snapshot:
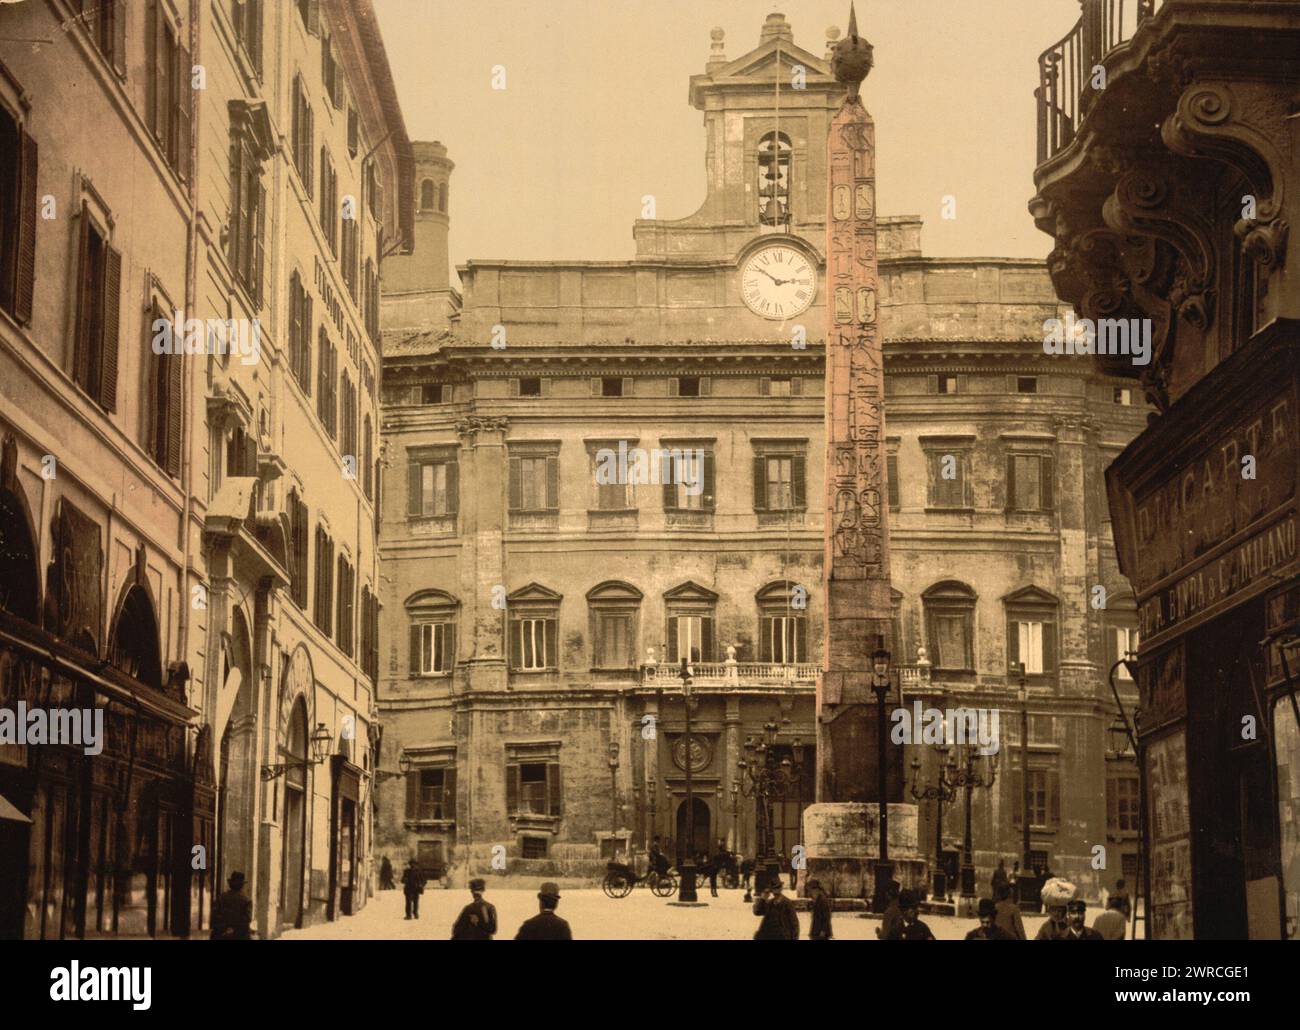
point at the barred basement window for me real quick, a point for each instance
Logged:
(532, 847)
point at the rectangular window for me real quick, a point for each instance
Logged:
(1126, 642)
(354, 131)
(437, 651)
(105, 24)
(533, 644)
(165, 407)
(304, 133)
(532, 789)
(613, 641)
(327, 383)
(691, 386)
(18, 173)
(1122, 395)
(298, 531)
(324, 608)
(534, 483)
(99, 280)
(532, 847)
(780, 386)
(947, 484)
(1122, 804)
(300, 332)
(690, 480)
(434, 488)
(891, 475)
(349, 258)
(1026, 384)
(784, 639)
(431, 393)
(779, 481)
(246, 246)
(169, 91)
(345, 635)
(953, 640)
(690, 636)
(246, 15)
(1044, 798)
(945, 383)
(530, 386)
(1030, 485)
(611, 386)
(1032, 641)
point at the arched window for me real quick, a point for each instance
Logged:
(783, 623)
(950, 625)
(133, 647)
(614, 610)
(442, 197)
(774, 153)
(19, 573)
(426, 195)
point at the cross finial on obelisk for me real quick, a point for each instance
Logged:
(851, 59)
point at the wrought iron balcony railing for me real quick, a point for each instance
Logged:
(1066, 69)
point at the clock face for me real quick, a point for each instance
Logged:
(778, 282)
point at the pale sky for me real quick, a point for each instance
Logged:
(596, 113)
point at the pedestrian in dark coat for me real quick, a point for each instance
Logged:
(386, 875)
(1076, 930)
(891, 919)
(988, 930)
(477, 920)
(912, 929)
(780, 920)
(546, 925)
(746, 871)
(412, 887)
(232, 913)
(999, 877)
(820, 930)
(1006, 914)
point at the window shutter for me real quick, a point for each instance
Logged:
(765, 638)
(797, 472)
(453, 487)
(891, 476)
(182, 115)
(552, 483)
(259, 248)
(673, 386)
(629, 386)
(672, 640)
(706, 639)
(1047, 479)
(253, 24)
(1054, 796)
(25, 284)
(801, 639)
(175, 405)
(514, 387)
(1013, 643)
(760, 483)
(516, 485)
(1011, 482)
(796, 386)
(546, 387)
(765, 387)
(450, 645)
(110, 322)
(595, 386)
(306, 338)
(704, 386)
(449, 793)
(413, 794)
(961, 383)
(415, 503)
(117, 12)
(1049, 648)
(516, 644)
(710, 476)
(512, 788)
(552, 643)
(553, 788)
(932, 384)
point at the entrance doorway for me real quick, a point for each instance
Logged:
(703, 823)
(295, 819)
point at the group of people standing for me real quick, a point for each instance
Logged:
(478, 920)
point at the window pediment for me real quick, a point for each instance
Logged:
(430, 601)
(951, 591)
(534, 593)
(1030, 597)
(691, 592)
(614, 592)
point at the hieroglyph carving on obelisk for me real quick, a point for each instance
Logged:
(856, 570)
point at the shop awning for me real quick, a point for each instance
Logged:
(8, 811)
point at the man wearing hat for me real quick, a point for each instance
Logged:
(477, 920)
(232, 913)
(821, 913)
(546, 925)
(912, 929)
(988, 930)
(412, 888)
(780, 920)
(1075, 911)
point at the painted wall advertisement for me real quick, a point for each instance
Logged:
(1171, 846)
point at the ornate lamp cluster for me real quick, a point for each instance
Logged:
(766, 777)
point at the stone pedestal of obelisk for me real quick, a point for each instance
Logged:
(841, 831)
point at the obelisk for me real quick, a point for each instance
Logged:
(842, 830)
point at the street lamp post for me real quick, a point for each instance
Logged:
(735, 815)
(968, 776)
(1025, 859)
(880, 684)
(613, 787)
(686, 892)
(651, 798)
(764, 778)
(939, 793)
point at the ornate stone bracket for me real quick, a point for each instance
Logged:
(1240, 125)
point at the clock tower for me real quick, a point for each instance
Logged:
(766, 118)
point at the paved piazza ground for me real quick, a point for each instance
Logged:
(640, 916)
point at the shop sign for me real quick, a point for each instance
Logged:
(77, 577)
